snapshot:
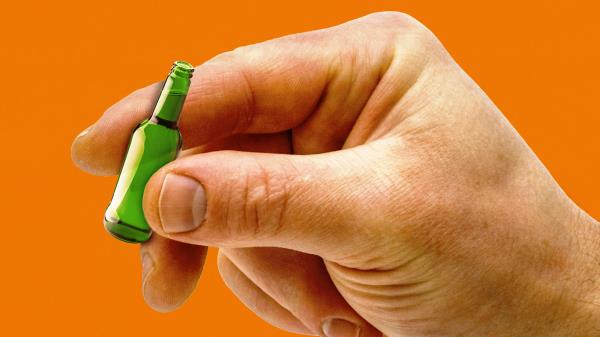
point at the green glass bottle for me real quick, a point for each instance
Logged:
(154, 142)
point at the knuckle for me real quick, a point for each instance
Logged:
(404, 32)
(391, 17)
(395, 21)
(418, 36)
(259, 205)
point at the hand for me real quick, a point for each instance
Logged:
(390, 195)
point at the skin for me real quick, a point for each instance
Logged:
(410, 207)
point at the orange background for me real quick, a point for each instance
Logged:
(63, 63)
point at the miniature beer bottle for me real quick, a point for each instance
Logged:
(154, 142)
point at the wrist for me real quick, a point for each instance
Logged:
(585, 285)
(571, 299)
(557, 292)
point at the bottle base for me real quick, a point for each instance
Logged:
(126, 232)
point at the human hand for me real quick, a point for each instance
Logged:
(391, 195)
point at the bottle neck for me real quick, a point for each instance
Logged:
(171, 99)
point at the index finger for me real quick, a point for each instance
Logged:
(321, 80)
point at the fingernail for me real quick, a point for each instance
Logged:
(182, 204)
(147, 268)
(85, 132)
(337, 327)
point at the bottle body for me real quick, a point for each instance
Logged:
(152, 145)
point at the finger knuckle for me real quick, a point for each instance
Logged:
(260, 203)
(394, 21)
(404, 31)
(391, 17)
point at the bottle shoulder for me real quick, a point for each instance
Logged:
(148, 128)
(153, 124)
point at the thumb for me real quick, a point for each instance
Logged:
(318, 204)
